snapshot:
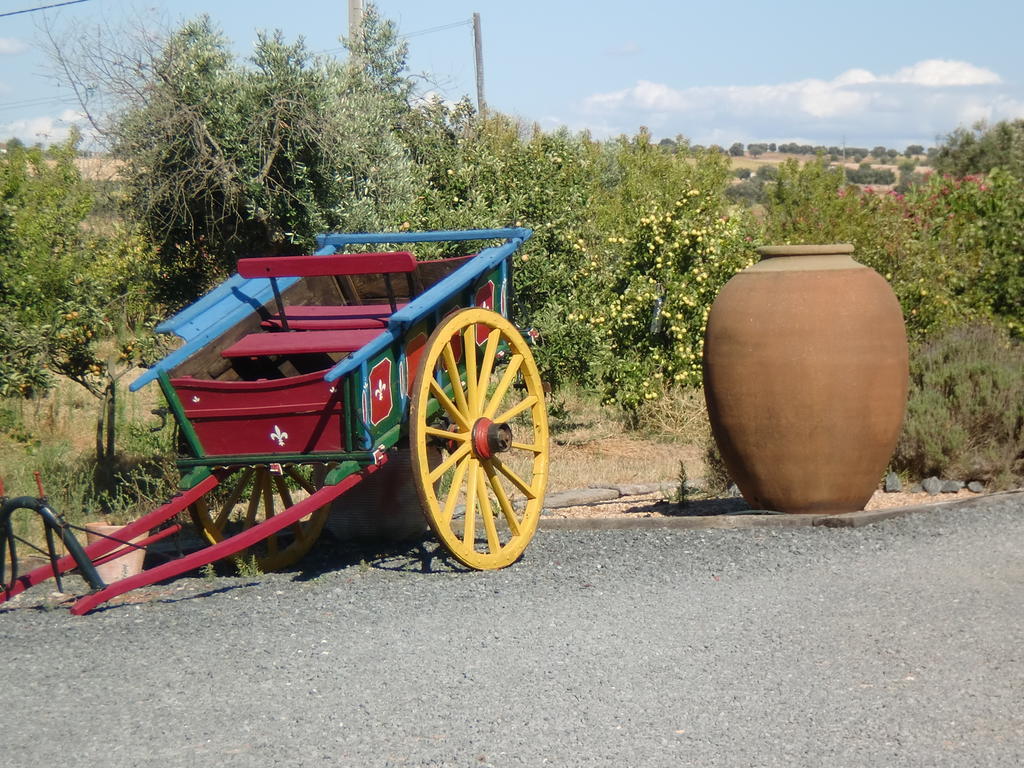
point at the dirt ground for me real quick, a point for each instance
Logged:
(589, 446)
(655, 504)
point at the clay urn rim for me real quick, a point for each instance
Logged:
(774, 251)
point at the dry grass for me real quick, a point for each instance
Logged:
(592, 444)
(768, 158)
(99, 168)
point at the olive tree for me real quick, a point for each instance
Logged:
(222, 158)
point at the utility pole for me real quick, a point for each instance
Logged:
(478, 48)
(355, 18)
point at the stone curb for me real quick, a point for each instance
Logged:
(592, 494)
(743, 521)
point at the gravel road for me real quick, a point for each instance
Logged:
(897, 644)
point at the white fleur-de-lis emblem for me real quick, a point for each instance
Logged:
(278, 436)
(195, 398)
(380, 390)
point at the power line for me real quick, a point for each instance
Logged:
(37, 102)
(42, 8)
(443, 27)
(417, 33)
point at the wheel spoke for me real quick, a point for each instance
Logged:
(493, 543)
(503, 385)
(447, 464)
(268, 509)
(282, 491)
(286, 498)
(254, 500)
(298, 478)
(503, 502)
(268, 496)
(453, 492)
(532, 448)
(516, 409)
(469, 531)
(515, 479)
(487, 366)
(446, 435)
(450, 407)
(452, 368)
(469, 350)
(229, 504)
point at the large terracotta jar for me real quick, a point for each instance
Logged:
(805, 376)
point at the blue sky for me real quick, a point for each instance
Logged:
(893, 73)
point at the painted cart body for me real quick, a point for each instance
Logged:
(350, 407)
(303, 376)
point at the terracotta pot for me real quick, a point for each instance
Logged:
(128, 564)
(805, 376)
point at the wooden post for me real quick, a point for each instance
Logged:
(478, 49)
(355, 18)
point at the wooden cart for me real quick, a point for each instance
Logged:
(301, 376)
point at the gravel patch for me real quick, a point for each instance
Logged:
(896, 644)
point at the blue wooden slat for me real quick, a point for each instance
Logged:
(224, 307)
(339, 239)
(207, 318)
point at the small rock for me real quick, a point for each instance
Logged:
(976, 486)
(932, 486)
(892, 483)
(733, 491)
(951, 486)
(915, 488)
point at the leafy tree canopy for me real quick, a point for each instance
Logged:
(982, 148)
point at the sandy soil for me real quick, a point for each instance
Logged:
(652, 504)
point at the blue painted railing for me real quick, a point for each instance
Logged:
(237, 297)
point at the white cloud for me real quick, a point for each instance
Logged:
(855, 77)
(915, 104)
(10, 46)
(938, 73)
(45, 129)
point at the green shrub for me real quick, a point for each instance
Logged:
(965, 412)
(496, 172)
(716, 475)
(953, 250)
(977, 224)
(668, 243)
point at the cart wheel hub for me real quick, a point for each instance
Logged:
(490, 437)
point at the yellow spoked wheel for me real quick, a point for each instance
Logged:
(255, 494)
(478, 397)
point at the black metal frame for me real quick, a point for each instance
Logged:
(53, 522)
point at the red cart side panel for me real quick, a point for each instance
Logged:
(339, 264)
(299, 414)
